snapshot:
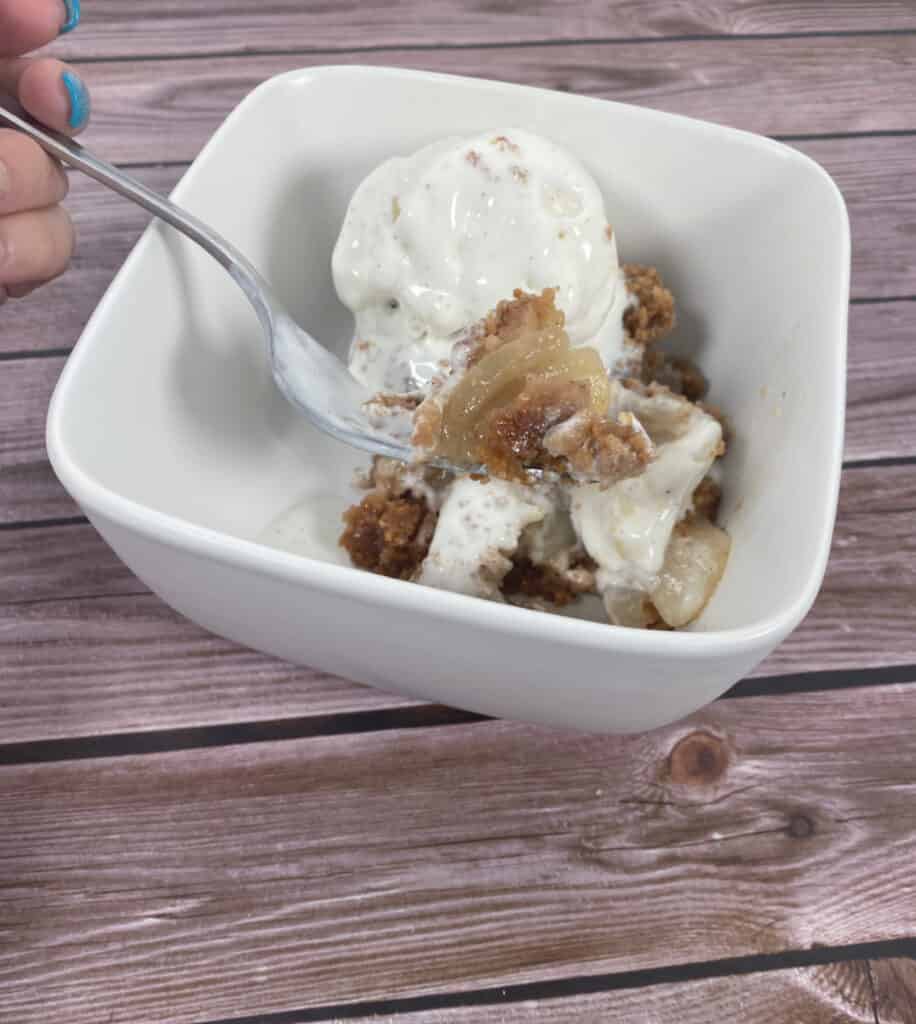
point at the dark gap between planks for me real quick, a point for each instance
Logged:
(132, 744)
(590, 984)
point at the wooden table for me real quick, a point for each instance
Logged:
(193, 832)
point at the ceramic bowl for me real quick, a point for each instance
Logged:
(166, 429)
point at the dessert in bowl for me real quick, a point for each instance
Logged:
(593, 448)
(167, 429)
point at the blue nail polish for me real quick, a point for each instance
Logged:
(79, 100)
(73, 15)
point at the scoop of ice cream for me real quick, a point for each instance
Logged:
(433, 241)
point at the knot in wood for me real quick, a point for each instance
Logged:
(800, 826)
(699, 759)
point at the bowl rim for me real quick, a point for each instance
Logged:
(367, 588)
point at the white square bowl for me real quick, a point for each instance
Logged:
(166, 429)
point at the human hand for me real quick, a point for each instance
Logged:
(36, 235)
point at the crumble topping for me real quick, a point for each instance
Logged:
(515, 397)
(388, 535)
(652, 318)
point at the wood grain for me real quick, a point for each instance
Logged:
(839, 993)
(874, 175)
(115, 28)
(84, 666)
(147, 113)
(881, 381)
(865, 615)
(85, 650)
(894, 983)
(243, 880)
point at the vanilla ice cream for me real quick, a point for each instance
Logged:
(432, 242)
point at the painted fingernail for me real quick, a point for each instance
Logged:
(72, 15)
(79, 100)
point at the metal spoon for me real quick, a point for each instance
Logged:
(316, 382)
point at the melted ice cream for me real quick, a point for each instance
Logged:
(433, 241)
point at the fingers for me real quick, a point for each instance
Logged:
(49, 90)
(25, 25)
(29, 178)
(34, 247)
(36, 235)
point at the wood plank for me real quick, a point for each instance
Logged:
(881, 200)
(28, 488)
(772, 86)
(881, 381)
(85, 650)
(83, 666)
(839, 993)
(244, 880)
(113, 27)
(865, 615)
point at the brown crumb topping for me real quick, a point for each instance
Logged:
(706, 499)
(539, 404)
(527, 579)
(681, 376)
(514, 437)
(514, 318)
(596, 446)
(653, 316)
(388, 535)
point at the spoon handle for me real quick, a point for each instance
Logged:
(72, 153)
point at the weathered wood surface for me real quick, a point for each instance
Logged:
(147, 112)
(843, 993)
(83, 666)
(211, 884)
(69, 610)
(207, 884)
(113, 28)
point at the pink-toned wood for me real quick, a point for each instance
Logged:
(881, 376)
(84, 650)
(164, 110)
(28, 487)
(120, 28)
(894, 984)
(89, 665)
(235, 881)
(865, 615)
